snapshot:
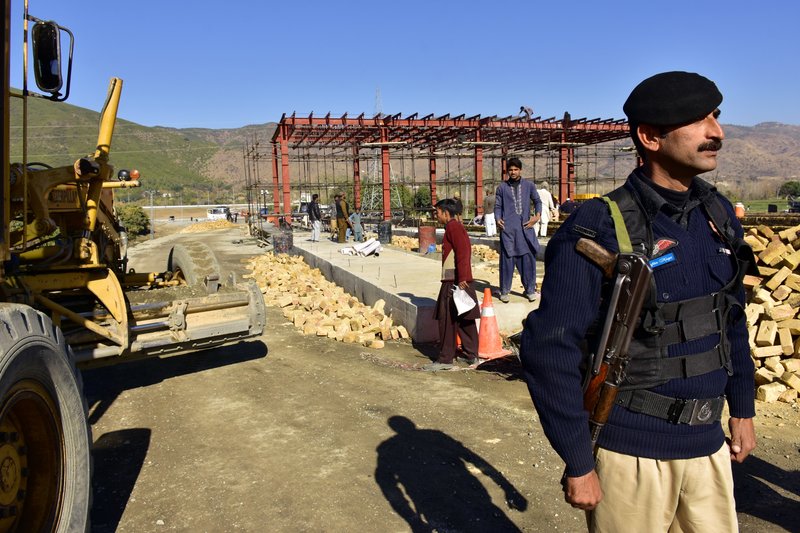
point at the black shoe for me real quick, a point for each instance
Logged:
(467, 359)
(435, 367)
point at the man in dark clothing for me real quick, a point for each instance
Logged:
(456, 271)
(459, 206)
(315, 217)
(518, 242)
(662, 462)
(342, 217)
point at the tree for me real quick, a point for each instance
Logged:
(134, 219)
(790, 188)
(422, 198)
(402, 197)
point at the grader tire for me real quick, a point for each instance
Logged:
(192, 262)
(45, 438)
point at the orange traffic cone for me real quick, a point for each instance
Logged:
(490, 346)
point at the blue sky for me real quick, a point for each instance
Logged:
(228, 64)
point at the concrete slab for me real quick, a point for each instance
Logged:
(406, 281)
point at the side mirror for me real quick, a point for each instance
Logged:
(47, 68)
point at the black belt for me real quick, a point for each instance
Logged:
(674, 410)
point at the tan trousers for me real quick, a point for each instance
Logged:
(677, 496)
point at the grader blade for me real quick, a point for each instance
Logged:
(182, 319)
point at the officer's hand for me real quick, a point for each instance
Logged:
(501, 223)
(743, 438)
(583, 492)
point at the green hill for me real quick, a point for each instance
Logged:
(207, 165)
(198, 164)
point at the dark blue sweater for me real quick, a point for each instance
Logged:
(551, 353)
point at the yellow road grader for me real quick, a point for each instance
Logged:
(67, 299)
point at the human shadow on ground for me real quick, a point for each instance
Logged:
(118, 458)
(757, 489)
(103, 385)
(426, 477)
(419, 301)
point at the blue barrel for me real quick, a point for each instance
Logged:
(385, 232)
(282, 242)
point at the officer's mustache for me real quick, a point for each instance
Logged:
(713, 146)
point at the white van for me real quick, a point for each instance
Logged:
(218, 213)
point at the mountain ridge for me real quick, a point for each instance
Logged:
(209, 164)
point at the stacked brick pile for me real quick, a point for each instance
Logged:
(208, 225)
(480, 252)
(772, 312)
(485, 253)
(318, 307)
(406, 243)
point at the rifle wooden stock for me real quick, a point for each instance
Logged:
(597, 255)
(632, 279)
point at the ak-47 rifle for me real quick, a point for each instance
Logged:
(632, 279)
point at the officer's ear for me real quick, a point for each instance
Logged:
(650, 136)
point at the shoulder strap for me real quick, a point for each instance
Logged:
(641, 236)
(720, 218)
(623, 238)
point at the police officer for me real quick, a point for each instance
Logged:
(662, 461)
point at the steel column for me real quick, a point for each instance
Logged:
(478, 180)
(276, 207)
(386, 175)
(287, 200)
(356, 179)
(566, 173)
(432, 174)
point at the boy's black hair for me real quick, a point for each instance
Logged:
(514, 162)
(447, 204)
(314, 196)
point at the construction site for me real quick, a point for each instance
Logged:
(243, 373)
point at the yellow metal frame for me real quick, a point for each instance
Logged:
(102, 283)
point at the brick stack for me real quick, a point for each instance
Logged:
(772, 312)
(485, 253)
(318, 307)
(407, 243)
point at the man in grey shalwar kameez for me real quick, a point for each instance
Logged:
(518, 243)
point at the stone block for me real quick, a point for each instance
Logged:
(764, 376)
(767, 331)
(770, 392)
(788, 396)
(791, 380)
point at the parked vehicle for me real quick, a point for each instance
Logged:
(218, 213)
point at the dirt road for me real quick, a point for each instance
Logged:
(307, 434)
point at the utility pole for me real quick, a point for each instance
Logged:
(152, 214)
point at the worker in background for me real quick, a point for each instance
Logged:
(518, 243)
(488, 213)
(459, 207)
(315, 217)
(456, 272)
(549, 211)
(342, 217)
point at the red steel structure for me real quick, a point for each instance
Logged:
(510, 135)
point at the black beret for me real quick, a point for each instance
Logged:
(672, 98)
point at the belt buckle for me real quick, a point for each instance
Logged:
(676, 411)
(703, 412)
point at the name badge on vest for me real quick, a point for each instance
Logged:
(662, 260)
